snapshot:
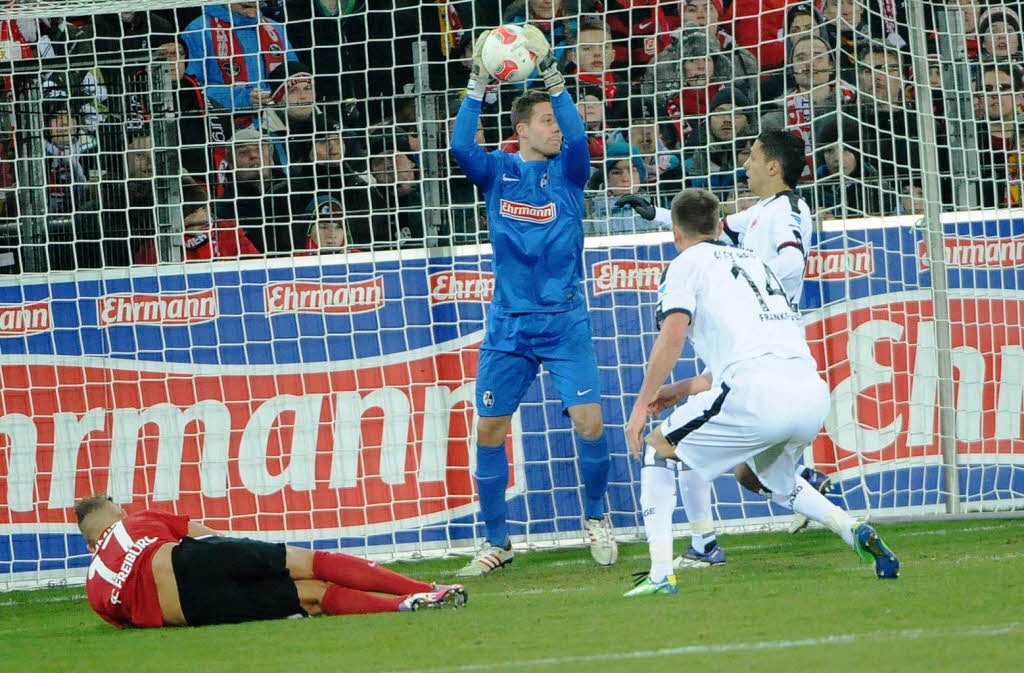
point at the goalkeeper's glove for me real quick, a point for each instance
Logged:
(478, 75)
(639, 204)
(547, 67)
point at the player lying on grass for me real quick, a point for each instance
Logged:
(777, 230)
(154, 569)
(761, 403)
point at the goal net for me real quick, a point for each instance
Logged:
(242, 278)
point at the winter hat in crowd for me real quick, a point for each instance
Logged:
(694, 43)
(286, 74)
(616, 152)
(735, 97)
(247, 135)
(1000, 13)
(193, 196)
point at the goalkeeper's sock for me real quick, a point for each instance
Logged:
(491, 482)
(356, 573)
(806, 500)
(695, 493)
(343, 601)
(594, 465)
(658, 501)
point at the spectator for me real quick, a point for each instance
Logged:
(847, 183)
(880, 76)
(555, 18)
(331, 204)
(624, 174)
(232, 49)
(254, 195)
(639, 31)
(392, 174)
(686, 76)
(758, 25)
(846, 28)
(704, 15)
(999, 35)
(644, 135)
(740, 196)
(1000, 96)
(801, 19)
(129, 33)
(288, 119)
(813, 96)
(590, 103)
(317, 32)
(205, 239)
(911, 197)
(591, 64)
(71, 157)
(714, 163)
(971, 10)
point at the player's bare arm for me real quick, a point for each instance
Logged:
(672, 394)
(667, 349)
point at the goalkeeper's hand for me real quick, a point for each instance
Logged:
(547, 67)
(639, 204)
(478, 75)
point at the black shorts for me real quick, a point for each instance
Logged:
(229, 580)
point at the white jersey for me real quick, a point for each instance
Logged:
(767, 229)
(738, 309)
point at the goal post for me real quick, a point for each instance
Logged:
(243, 280)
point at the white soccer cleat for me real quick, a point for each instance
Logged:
(797, 523)
(599, 534)
(487, 558)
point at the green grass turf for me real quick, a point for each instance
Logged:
(782, 603)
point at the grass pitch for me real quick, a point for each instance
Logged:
(782, 603)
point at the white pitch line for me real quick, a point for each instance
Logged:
(40, 601)
(991, 630)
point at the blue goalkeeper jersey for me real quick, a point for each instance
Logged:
(534, 212)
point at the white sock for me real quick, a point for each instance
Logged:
(658, 501)
(696, 496)
(806, 500)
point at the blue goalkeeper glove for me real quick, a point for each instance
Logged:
(547, 67)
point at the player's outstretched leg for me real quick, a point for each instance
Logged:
(704, 551)
(818, 480)
(806, 500)
(658, 500)
(491, 482)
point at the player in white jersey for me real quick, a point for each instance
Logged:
(760, 402)
(777, 229)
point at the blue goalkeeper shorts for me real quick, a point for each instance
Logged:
(515, 345)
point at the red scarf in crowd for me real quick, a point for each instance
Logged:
(606, 82)
(227, 49)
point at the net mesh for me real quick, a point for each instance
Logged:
(242, 278)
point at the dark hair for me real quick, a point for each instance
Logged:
(89, 504)
(588, 22)
(695, 211)
(522, 107)
(788, 149)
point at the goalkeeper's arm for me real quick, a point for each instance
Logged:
(475, 162)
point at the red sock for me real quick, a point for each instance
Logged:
(341, 601)
(356, 573)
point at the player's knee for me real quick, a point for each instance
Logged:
(491, 430)
(587, 420)
(311, 593)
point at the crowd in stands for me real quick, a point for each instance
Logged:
(284, 127)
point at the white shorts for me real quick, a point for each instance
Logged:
(763, 414)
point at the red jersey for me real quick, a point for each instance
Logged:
(120, 583)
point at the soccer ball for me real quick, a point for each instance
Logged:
(506, 56)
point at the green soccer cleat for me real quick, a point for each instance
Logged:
(645, 586)
(871, 548)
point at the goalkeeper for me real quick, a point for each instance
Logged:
(534, 202)
(153, 569)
